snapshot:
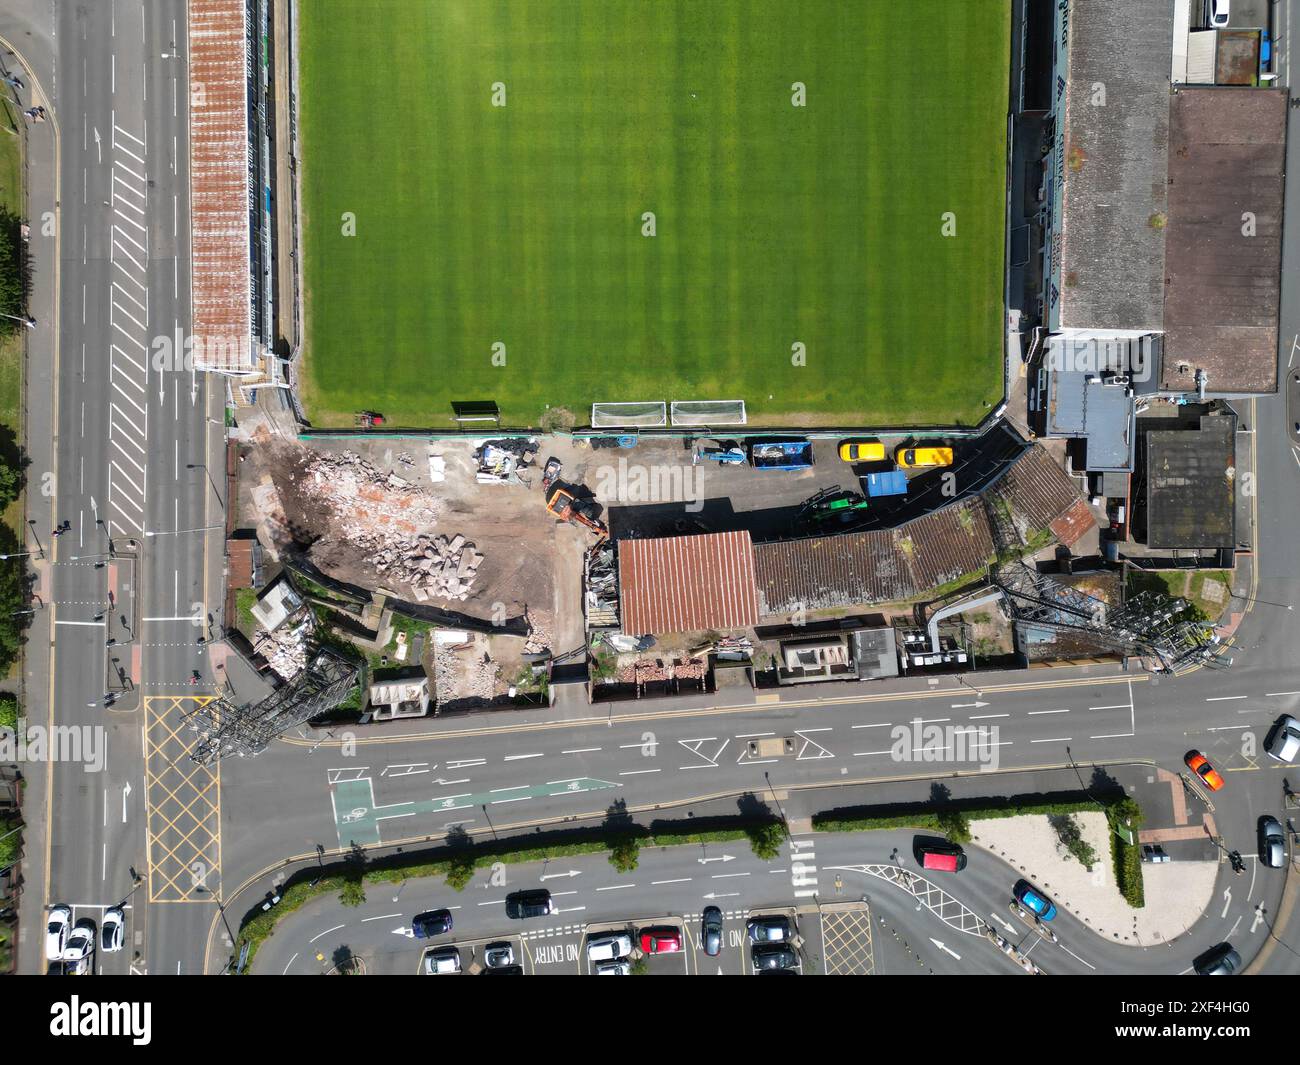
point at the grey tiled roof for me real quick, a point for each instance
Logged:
(1117, 139)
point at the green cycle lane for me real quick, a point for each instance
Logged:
(357, 815)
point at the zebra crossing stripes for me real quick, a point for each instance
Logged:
(128, 353)
(803, 874)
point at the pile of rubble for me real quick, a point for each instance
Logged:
(463, 672)
(433, 566)
(363, 498)
(286, 649)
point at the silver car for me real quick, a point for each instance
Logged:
(1283, 742)
(1272, 843)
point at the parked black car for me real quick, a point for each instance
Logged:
(534, 903)
(1218, 961)
(431, 923)
(711, 931)
(773, 956)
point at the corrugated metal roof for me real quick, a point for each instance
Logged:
(219, 203)
(1036, 493)
(687, 583)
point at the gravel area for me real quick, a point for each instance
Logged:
(1176, 892)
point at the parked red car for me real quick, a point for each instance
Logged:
(660, 940)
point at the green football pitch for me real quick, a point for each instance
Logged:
(650, 216)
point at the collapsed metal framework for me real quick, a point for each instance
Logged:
(1149, 624)
(225, 729)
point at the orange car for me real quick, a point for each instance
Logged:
(1200, 765)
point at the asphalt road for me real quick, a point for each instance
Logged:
(934, 925)
(128, 421)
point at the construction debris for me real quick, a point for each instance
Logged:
(499, 461)
(464, 671)
(434, 567)
(286, 649)
(367, 502)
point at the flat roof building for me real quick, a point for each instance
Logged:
(1190, 486)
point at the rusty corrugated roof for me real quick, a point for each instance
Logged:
(1038, 494)
(219, 204)
(687, 583)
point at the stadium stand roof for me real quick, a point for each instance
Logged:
(220, 226)
(1112, 254)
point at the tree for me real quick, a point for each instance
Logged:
(354, 889)
(765, 840)
(954, 824)
(11, 272)
(624, 853)
(460, 870)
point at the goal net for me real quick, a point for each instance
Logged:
(709, 412)
(617, 415)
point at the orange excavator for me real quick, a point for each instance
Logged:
(563, 504)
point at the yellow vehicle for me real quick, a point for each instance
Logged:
(914, 457)
(862, 451)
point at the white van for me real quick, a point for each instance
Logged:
(609, 947)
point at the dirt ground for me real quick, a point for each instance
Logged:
(527, 554)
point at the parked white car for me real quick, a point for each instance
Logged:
(1218, 14)
(111, 930)
(609, 947)
(81, 941)
(442, 961)
(1283, 740)
(56, 932)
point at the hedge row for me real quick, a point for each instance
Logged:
(458, 865)
(1126, 858)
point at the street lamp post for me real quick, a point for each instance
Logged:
(39, 548)
(204, 467)
(27, 320)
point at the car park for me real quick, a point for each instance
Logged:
(923, 457)
(711, 931)
(1272, 843)
(1283, 741)
(660, 940)
(1034, 901)
(498, 955)
(442, 961)
(431, 923)
(1222, 960)
(609, 947)
(1200, 765)
(771, 929)
(765, 956)
(81, 940)
(57, 925)
(111, 930)
(536, 902)
(617, 967)
(862, 451)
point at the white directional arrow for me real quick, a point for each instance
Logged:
(126, 790)
(1227, 902)
(721, 895)
(194, 385)
(557, 876)
(409, 933)
(724, 858)
(94, 509)
(1004, 923)
(946, 950)
(443, 783)
(964, 706)
(99, 150)
(1259, 916)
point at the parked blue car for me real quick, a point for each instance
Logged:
(1034, 901)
